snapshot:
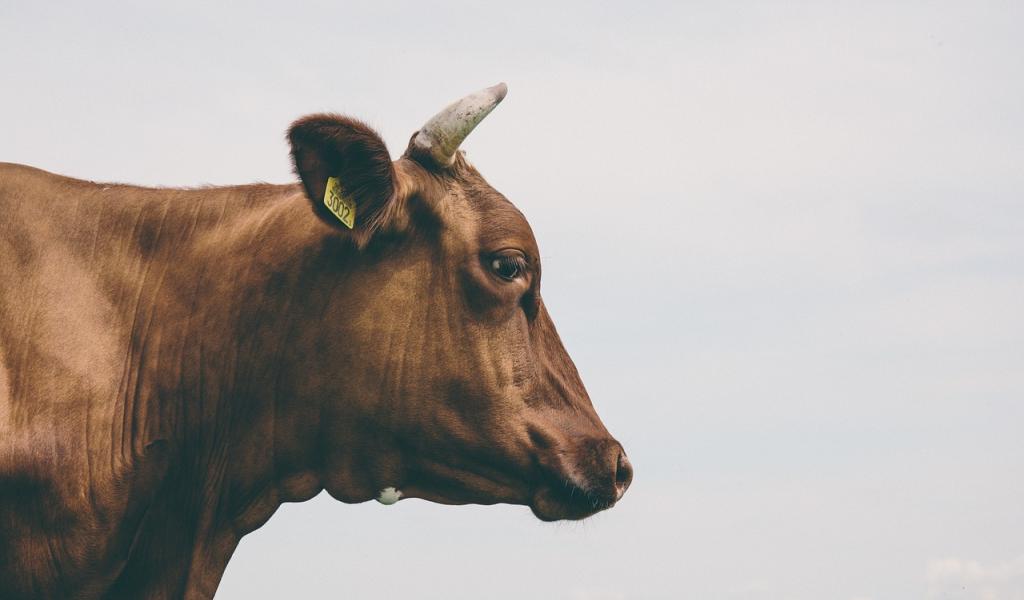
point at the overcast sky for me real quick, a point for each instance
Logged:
(784, 243)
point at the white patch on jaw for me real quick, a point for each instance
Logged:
(389, 495)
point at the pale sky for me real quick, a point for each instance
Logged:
(784, 243)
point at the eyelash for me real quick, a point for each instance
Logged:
(501, 262)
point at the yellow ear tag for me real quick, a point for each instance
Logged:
(342, 207)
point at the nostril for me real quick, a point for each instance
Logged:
(623, 475)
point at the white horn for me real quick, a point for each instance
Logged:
(440, 137)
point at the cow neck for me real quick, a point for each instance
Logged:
(255, 291)
(266, 287)
(226, 299)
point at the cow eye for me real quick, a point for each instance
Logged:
(509, 266)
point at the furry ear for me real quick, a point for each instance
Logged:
(327, 145)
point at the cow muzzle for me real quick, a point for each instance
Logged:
(583, 481)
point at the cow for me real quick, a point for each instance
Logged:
(177, 363)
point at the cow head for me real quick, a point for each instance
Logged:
(438, 370)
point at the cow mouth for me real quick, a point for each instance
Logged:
(581, 483)
(567, 501)
(557, 502)
(553, 493)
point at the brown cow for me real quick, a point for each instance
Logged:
(176, 363)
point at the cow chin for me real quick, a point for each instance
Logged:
(554, 503)
(436, 481)
(567, 503)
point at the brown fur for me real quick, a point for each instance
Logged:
(175, 364)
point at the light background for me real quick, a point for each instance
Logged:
(782, 241)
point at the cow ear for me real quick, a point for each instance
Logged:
(351, 157)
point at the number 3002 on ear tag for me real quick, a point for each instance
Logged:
(342, 207)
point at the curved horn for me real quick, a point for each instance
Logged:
(440, 137)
